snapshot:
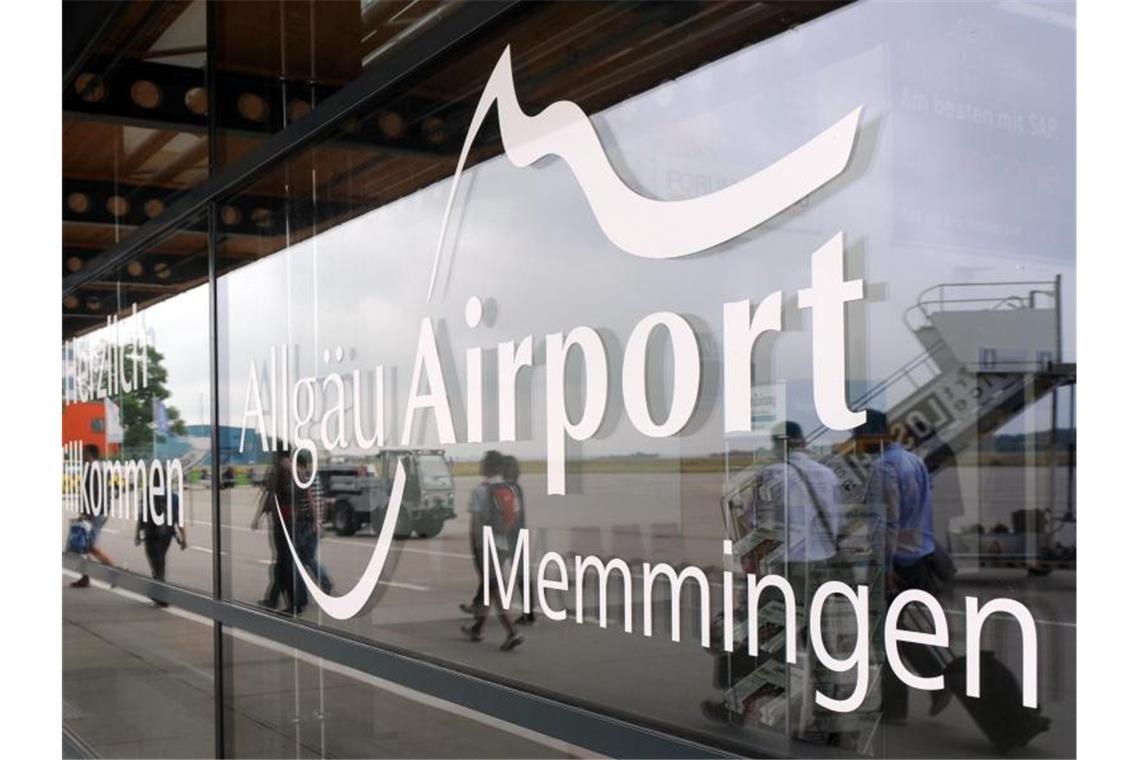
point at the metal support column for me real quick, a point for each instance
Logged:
(220, 700)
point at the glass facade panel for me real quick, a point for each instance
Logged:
(768, 293)
(138, 681)
(136, 388)
(353, 299)
(285, 703)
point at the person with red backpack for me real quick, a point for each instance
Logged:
(491, 468)
(511, 473)
(497, 504)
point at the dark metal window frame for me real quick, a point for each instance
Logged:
(590, 729)
(357, 95)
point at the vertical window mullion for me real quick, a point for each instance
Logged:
(215, 493)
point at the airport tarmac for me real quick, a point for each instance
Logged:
(675, 519)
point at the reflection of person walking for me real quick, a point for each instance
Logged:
(804, 495)
(280, 490)
(809, 493)
(157, 537)
(309, 519)
(491, 468)
(265, 506)
(900, 484)
(511, 474)
(490, 501)
(272, 596)
(91, 456)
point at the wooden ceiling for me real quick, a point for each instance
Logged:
(134, 119)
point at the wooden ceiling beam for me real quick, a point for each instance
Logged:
(149, 147)
(186, 160)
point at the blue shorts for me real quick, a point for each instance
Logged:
(97, 524)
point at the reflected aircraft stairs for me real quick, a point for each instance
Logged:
(195, 457)
(990, 351)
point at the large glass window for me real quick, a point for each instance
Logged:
(285, 703)
(138, 681)
(762, 291)
(136, 412)
(955, 209)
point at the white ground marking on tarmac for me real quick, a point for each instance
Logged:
(227, 527)
(400, 547)
(436, 552)
(397, 584)
(569, 750)
(347, 542)
(111, 530)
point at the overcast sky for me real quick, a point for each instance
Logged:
(964, 171)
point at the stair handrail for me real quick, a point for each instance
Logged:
(921, 305)
(924, 305)
(881, 386)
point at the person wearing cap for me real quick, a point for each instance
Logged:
(900, 485)
(804, 495)
(809, 492)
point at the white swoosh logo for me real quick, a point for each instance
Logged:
(648, 227)
(344, 607)
(643, 226)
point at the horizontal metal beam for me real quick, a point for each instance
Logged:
(151, 277)
(88, 202)
(153, 95)
(359, 94)
(85, 28)
(598, 733)
(153, 268)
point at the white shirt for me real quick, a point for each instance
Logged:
(782, 487)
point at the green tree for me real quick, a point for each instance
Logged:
(136, 409)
